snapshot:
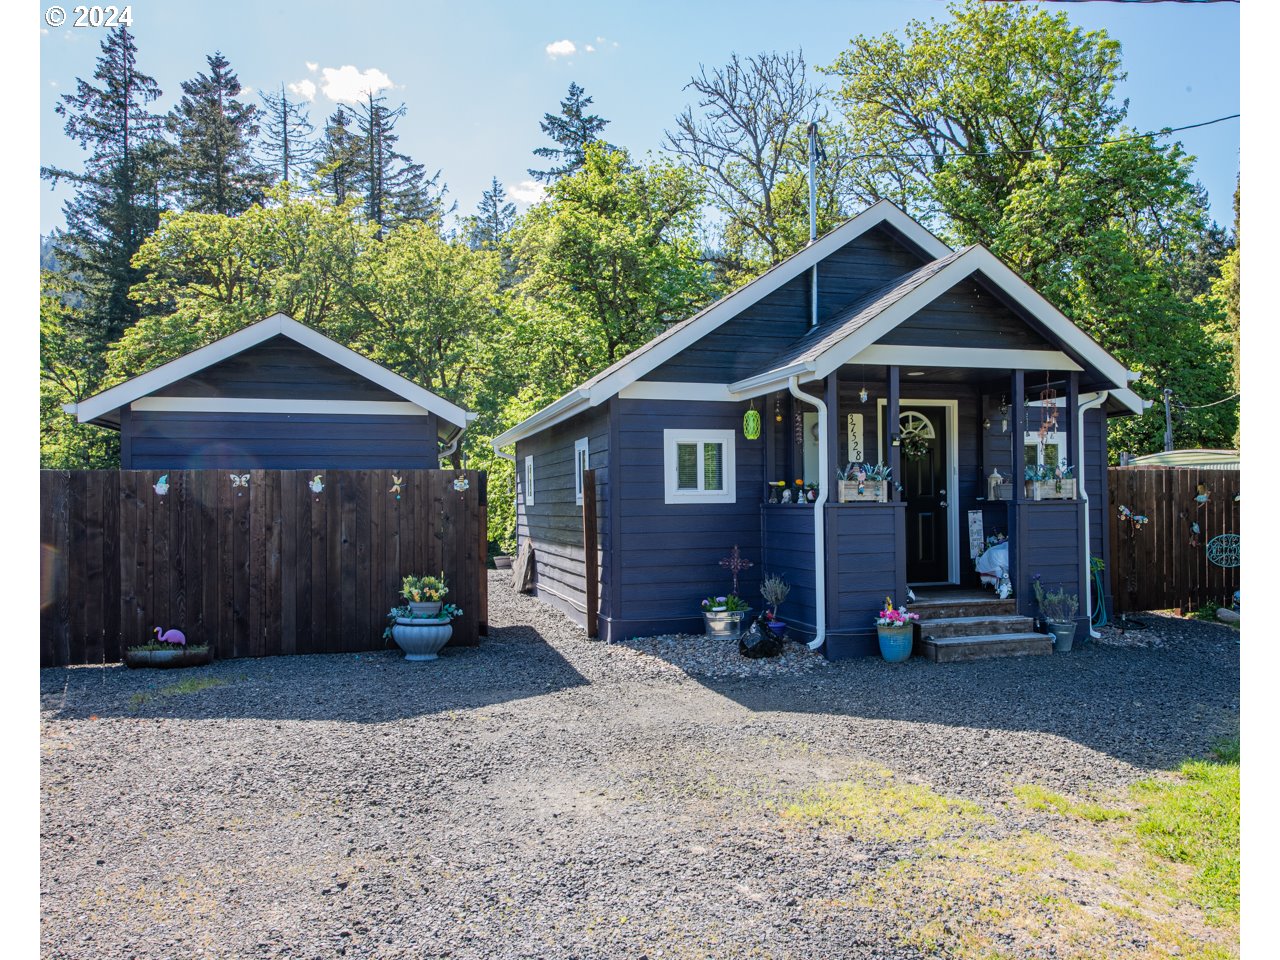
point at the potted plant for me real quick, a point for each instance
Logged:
(1058, 610)
(723, 616)
(424, 594)
(774, 589)
(168, 649)
(864, 481)
(896, 630)
(419, 635)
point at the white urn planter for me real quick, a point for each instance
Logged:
(421, 639)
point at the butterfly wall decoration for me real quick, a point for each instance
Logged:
(239, 480)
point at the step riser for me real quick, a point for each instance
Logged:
(986, 651)
(961, 608)
(972, 628)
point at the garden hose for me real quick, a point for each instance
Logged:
(1098, 617)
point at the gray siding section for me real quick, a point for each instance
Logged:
(669, 554)
(967, 315)
(788, 550)
(1098, 489)
(281, 369)
(553, 524)
(748, 343)
(1047, 542)
(866, 562)
(161, 440)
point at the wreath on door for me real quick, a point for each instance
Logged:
(914, 434)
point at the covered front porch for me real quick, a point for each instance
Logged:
(954, 440)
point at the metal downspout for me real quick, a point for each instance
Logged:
(1097, 401)
(819, 516)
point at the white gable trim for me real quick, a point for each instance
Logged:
(395, 408)
(663, 348)
(192, 363)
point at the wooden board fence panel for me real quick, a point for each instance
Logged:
(1156, 565)
(261, 567)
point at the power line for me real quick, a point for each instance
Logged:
(1206, 406)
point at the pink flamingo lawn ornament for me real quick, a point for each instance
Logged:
(171, 636)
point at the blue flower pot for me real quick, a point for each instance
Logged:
(895, 642)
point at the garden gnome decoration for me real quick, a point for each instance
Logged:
(176, 637)
(162, 485)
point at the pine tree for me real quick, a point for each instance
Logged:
(395, 188)
(338, 156)
(212, 164)
(117, 201)
(573, 130)
(493, 218)
(287, 136)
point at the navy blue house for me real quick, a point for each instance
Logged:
(876, 342)
(276, 395)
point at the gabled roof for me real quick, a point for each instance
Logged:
(678, 337)
(109, 401)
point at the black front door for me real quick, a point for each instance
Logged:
(924, 487)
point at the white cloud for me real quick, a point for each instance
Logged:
(351, 85)
(526, 191)
(245, 91)
(303, 88)
(313, 67)
(589, 48)
(561, 48)
(599, 39)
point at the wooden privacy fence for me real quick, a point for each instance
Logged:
(258, 564)
(1164, 564)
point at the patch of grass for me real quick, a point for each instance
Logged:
(882, 809)
(1038, 798)
(189, 685)
(1195, 820)
(1208, 612)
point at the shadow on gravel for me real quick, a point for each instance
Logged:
(1143, 705)
(513, 663)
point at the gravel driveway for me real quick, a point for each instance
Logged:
(547, 796)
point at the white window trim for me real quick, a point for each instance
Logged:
(528, 480)
(670, 468)
(579, 464)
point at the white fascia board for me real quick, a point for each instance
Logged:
(1040, 308)
(398, 408)
(567, 406)
(1130, 399)
(251, 336)
(746, 296)
(970, 357)
(675, 390)
(771, 380)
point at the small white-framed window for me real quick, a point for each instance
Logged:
(581, 462)
(528, 481)
(699, 466)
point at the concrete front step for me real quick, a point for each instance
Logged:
(968, 607)
(954, 649)
(975, 626)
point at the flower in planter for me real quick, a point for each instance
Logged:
(730, 604)
(890, 617)
(424, 589)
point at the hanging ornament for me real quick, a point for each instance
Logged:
(799, 429)
(777, 409)
(1049, 411)
(461, 484)
(751, 423)
(396, 483)
(862, 394)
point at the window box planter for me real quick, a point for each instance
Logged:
(875, 491)
(1051, 489)
(193, 656)
(421, 639)
(724, 624)
(895, 642)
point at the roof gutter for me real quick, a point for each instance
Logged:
(819, 517)
(772, 379)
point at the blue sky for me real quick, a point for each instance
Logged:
(477, 77)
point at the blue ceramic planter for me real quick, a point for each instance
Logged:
(895, 642)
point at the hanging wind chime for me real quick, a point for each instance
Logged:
(1049, 411)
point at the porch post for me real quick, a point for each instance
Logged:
(832, 439)
(1073, 398)
(1018, 430)
(891, 428)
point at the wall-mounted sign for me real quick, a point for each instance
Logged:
(857, 449)
(976, 540)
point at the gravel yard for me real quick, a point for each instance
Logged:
(543, 795)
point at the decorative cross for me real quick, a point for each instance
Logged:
(735, 564)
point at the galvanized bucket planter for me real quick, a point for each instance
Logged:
(724, 624)
(1064, 631)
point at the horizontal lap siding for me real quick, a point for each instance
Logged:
(160, 440)
(1050, 546)
(554, 523)
(669, 554)
(788, 552)
(866, 544)
(752, 340)
(966, 316)
(278, 368)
